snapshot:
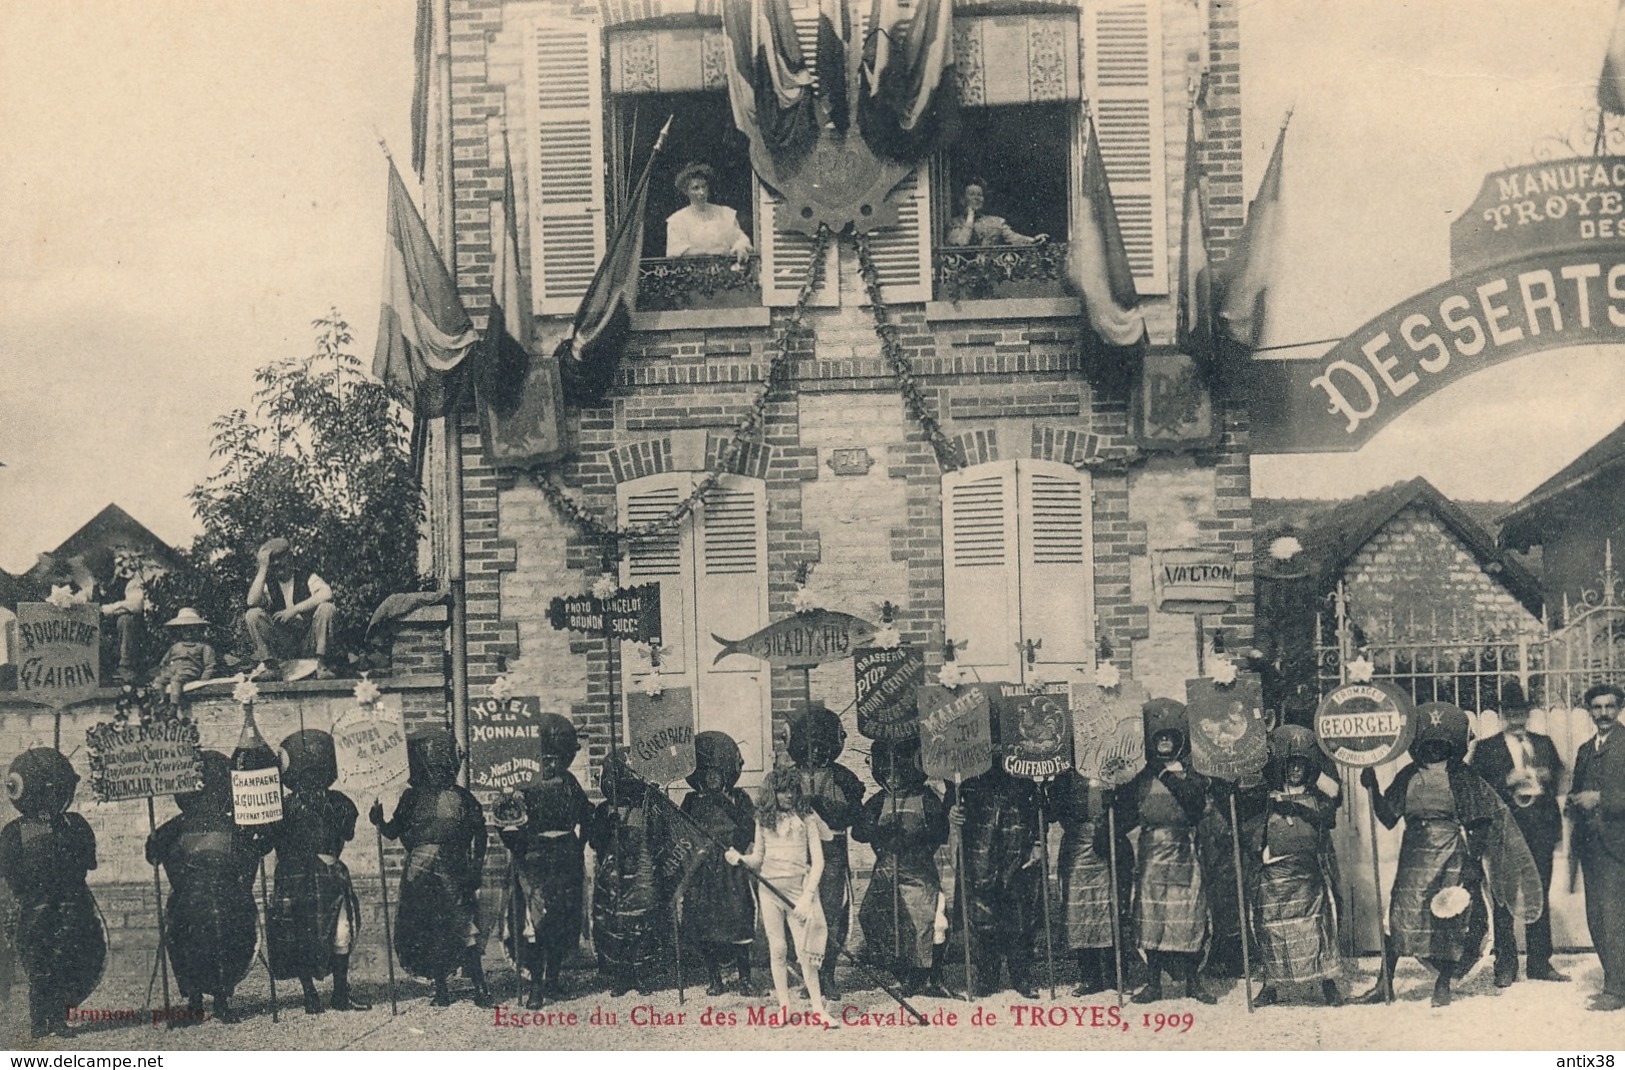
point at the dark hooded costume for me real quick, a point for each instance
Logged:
(1289, 851)
(1455, 827)
(1080, 807)
(314, 916)
(627, 833)
(816, 741)
(905, 827)
(547, 851)
(1002, 879)
(714, 900)
(442, 828)
(45, 855)
(212, 921)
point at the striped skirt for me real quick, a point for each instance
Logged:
(1170, 901)
(1432, 856)
(1086, 892)
(1294, 921)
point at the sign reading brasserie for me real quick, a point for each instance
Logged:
(631, 613)
(885, 681)
(1364, 724)
(956, 731)
(1194, 580)
(58, 651)
(503, 744)
(661, 730)
(142, 761)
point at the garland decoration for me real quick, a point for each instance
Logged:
(918, 408)
(611, 536)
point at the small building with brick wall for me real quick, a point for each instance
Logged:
(1044, 525)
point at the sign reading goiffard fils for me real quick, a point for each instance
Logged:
(885, 683)
(503, 748)
(1193, 580)
(142, 761)
(661, 729)
(1364, 724)
(631, 613)
(58, 651)
(956, 731)
(1542, 207)
(1035, 734)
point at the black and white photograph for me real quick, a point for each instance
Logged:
(812, 525)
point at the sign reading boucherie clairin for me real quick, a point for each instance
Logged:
(1540, 208)
(58, 651)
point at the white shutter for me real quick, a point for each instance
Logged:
(902, 254)
(667, 560)
(566, 156)
(734, 695)
(1057, 564)
(787, 256)
(980, 570)
(1123, 80)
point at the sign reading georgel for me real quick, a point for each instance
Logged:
(1364, 724)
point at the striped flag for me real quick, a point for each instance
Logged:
(1248, 273)
(1611, 86)
(1097, 261)
(1193, 332)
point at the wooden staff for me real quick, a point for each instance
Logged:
(158, 898)
(389, 939)
(964, 896)
(1043, 859)
(1117, 908)
(265, 926)
(516, 926)
(1241, 903)
(896, 892)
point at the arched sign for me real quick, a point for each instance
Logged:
(1364, 724)
(1540, 264)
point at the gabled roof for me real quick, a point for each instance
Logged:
(115, 527)
(1332, 535)
(1521, 526)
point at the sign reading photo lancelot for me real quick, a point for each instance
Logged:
(58, 651)
(142, 761)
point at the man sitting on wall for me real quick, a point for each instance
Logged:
(290, 612)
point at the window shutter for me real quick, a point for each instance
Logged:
(734, 694)
(566, 157)
(787, 256)
(1123, 79)
(980, 568)
(1057, 564)
(902, 254)
(667, 560)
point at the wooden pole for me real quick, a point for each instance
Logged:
(1241, 904)
(896, 892)
(389, 938)
(1117, 906)
(1043, 861)
(516, 926)
(964, 896)
(265, 902)
(157, 898)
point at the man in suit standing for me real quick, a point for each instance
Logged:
(1523, 767)
(1597, 804)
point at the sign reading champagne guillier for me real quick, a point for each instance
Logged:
(1364, 724)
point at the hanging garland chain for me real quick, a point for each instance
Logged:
(778, 374)
(920, 409)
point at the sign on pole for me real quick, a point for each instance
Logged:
(504, 748)
(59, 650)
(142, 761)
(1108, 731)
(885, 681)
(1035, 731)
(661, 730)
(1364, 724)
(956, 731)
(1229, 737)
(631, 613)
(370, 744)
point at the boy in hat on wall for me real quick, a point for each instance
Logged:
(190, 656)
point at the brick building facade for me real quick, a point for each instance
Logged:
(1045, 533)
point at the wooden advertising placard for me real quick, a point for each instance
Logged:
(885, 682)
(1365, 724)
(1193, 579)
(1035, 731)
(1108, 731)
(956, 730)
(370, 744)
(1229, 737)
(661, 727)
(631, 613)
(143, 761)
(59, 652)
(504, 748)
(802, 641)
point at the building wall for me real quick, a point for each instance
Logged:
(1415, 579)
(1004, 386)
(1574, 552)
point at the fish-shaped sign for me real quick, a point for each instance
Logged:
(803, 640)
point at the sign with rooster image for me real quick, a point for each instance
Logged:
(1035, 732)
(1229, 736)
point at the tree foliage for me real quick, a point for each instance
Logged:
(322, 459)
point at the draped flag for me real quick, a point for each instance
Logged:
(1097, 261)
(906, 107)
(588, 353)
(1247, 274)
(424, 332)
(769, 80)
(1194, 311)
(1611, 86)
(519, 396)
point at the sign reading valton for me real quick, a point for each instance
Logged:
(1193, 580)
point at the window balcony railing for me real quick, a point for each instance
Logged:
(981, 272)
(670, 284)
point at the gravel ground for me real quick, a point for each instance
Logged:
(1529, 1015)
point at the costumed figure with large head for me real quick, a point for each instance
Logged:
(715, 903)
(817, 738)
(627, 834)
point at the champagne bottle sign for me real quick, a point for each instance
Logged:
(256, 776)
